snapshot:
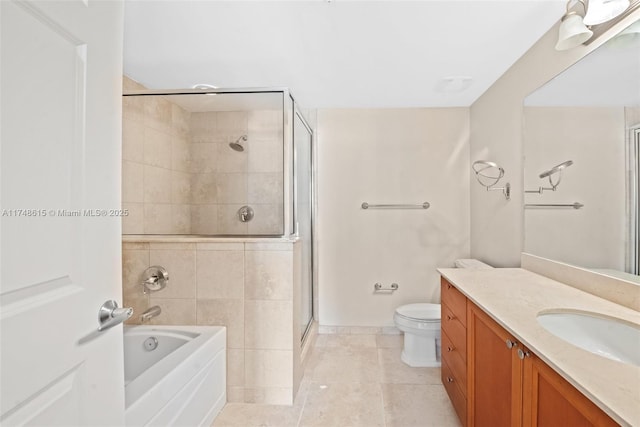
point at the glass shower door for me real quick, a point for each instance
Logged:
(302, 137)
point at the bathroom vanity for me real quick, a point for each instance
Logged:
(501, 367)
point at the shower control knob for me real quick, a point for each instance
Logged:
(245, 214)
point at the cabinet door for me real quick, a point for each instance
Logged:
(494, 373)
(552, 401)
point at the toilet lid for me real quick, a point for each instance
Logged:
(422, 311)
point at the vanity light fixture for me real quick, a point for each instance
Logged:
(576, 30)
(600, 11)
(489, 174)
(573, 32)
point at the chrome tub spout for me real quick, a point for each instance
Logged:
(150, 313)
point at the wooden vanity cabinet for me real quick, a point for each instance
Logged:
(550, 400)
(504, 383)
(454, 347)
(494, 376)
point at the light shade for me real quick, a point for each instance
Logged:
(572, 32)
(600, 11)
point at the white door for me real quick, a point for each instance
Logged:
(60, 94)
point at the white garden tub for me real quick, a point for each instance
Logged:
(180, 382)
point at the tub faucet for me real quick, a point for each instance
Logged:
(150, 313)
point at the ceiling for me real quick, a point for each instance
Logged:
(337, 54)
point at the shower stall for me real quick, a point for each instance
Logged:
(221, 164)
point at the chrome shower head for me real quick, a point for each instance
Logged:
(237, 144)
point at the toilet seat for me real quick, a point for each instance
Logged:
(421, 312)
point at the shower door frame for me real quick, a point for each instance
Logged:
(312, 200)
(633, 198)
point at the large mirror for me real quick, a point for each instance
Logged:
(581, 138)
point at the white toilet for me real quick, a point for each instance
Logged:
(421, 326)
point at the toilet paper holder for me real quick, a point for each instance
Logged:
(377, 287)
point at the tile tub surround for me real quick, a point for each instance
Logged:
(355, 380)
(181, 177)
(247, 287)
(513, 297)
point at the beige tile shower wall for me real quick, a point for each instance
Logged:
(181, 177)
(155, 165)
(247, 287)
(223, 180)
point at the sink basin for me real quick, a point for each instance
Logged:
(605, 336)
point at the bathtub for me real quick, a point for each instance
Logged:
(174, 375)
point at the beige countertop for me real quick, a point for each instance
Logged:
(514, 296)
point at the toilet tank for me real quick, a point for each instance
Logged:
(471, 264)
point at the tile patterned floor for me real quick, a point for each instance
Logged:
(355, 380)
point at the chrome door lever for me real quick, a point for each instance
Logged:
(110, 315)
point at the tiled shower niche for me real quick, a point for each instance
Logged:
(180, 174)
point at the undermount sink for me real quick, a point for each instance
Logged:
(605, 336)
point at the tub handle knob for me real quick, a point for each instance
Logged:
(109, 315)
(154, 279)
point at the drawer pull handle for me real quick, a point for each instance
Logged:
(449, 379)
(449, 348)
(448, 286)
(511, 344)
(450, 317)
(523, 354)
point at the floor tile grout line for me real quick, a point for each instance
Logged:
(384, 413)
(310, 373)
(304, 404)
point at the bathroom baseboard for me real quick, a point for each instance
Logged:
(358, 330)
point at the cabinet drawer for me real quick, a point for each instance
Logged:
(455, 299)
(455, 330)
(453, 390)
(456, 361)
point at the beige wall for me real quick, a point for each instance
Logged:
(247, 287)
(593, 236)
(496, 134)
(388, 156)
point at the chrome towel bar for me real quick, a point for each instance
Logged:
(424, 205)
(575, 205)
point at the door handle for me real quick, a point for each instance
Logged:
(109, 315)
